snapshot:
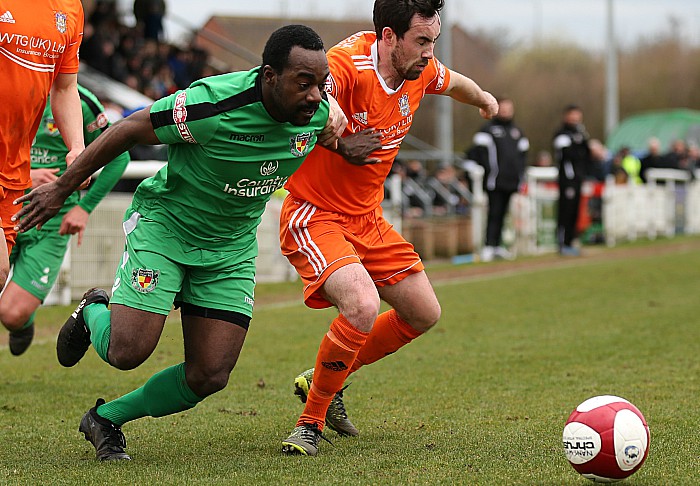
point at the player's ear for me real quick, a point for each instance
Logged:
(388, 36)
(269, 75)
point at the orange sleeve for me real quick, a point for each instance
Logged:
(441, 79)
(341, 79)
(70, 62)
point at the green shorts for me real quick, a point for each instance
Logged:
(36, 260)
(158, 269)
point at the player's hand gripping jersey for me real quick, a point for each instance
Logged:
(327, 180)
(36, 44)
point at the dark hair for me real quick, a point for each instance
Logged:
(572, 107)
(397, 14)
(281, 41)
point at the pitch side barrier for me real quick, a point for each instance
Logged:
(669, 204)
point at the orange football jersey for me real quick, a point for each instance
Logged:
(326, 179)
(38, 40)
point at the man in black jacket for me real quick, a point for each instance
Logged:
(500, 147)
(573, 157)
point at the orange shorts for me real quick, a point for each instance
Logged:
(318, 242)
(7, 210)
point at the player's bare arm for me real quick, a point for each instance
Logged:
(465, 90)
(68, 112)
(357, 147)
(45, 201)
(337, 121)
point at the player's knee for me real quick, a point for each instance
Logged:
(12, 317)
(205, 383)
(362, 313)
(125, 359)
(427, 318)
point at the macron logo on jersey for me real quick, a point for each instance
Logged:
(7, 18)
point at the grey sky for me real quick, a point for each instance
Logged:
(581, 21)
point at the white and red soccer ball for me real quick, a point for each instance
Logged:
(606, 439)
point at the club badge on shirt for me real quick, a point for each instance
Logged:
(61, 22)
(404, 105)
(299, 144)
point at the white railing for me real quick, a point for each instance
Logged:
(669, 204)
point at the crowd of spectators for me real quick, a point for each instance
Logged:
(138, 55)
(626, 166)
(447, 190)
(442, 192)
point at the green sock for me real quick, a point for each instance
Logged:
(97, 320)
(164, 393)
(29, 322)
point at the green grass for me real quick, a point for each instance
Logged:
(480, 400)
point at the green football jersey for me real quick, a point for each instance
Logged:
(49, 152)
(226, 156)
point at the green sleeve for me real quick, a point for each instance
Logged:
(95, 121)
(176, 123)
(104, 183)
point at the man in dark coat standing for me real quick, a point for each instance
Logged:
(573, 157)
(500, 147)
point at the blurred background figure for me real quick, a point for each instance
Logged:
(543, 159)
(631, 165)
(500, 147)
(149, 16)
(600, 159)
(653, 159)
(573, 157)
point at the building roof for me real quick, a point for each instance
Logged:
(236, 43)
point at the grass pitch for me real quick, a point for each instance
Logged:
(480, 400)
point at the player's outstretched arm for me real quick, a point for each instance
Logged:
(45, 201)
(465, 90)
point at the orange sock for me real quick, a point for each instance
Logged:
(389, 333)
(337, 352)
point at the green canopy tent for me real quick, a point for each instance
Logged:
(635, 131)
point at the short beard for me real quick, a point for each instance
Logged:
(404, 73)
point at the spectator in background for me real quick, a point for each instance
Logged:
(693, 158)
(600, 159)
(617, 170)
(414, 178)
(653, 159)
(543, 159)
(573, 157)
(675, 158)
(500, 147)
(149, 17)
(631, 165)
(416, 171)
(449, 192)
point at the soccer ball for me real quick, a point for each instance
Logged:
(606, 439)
